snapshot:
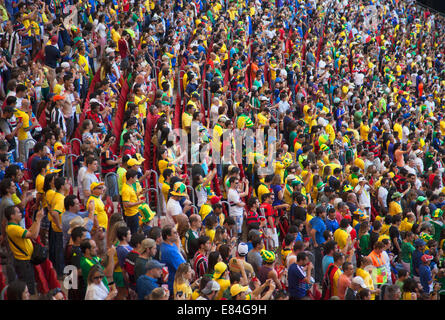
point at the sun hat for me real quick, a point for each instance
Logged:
(94, 185)
(148, 243)
(179, 189)
(77, 221)
(437, 213)
(146, 213)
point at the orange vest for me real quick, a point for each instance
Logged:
(377, 261)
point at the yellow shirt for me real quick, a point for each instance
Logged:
(224, 284)
(165, 190)
(405, 226)
(99, 211)
(58, 205)
(162, 165)
(217, 133)
(57, 88)
(331, 132)
(142, 106)
(186, 121)
(23, 118)
(367, 279)
(61, 158)
(262, 119)
(129, 195)
(398, 128)
(48, 198)
(364, 131)
(394, 208)
(341, 237)
(18, 234)
(83, 62)
(184, 288)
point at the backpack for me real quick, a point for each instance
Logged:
(326, 283)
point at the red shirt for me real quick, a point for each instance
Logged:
(123, 48)
(269, 212)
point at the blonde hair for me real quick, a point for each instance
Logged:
(180, 273)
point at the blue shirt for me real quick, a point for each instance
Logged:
(331, 225)
(297, 286)
(145, 285)
(170, 255)
(318, 224)
(425, 277)
(327, 260)
(67, 217)
(417, 261)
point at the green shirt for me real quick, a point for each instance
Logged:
(364, 244)
(120, 177)
(406, 251)
(438, 226)
(86, 265)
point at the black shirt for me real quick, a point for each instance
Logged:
(52, 55)
(394, 233)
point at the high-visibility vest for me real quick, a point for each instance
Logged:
(376, 260)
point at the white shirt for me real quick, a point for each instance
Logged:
(364, 198)
(234, 198)
(173, 209)
(383, 194)
(96, 292)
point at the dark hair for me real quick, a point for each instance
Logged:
(47, 181)
(212, 260)
(155, 233)
(5, 184)
(84, 245)
(203, 240)
(224, 250)
(136, 239)
(256, 241)
(121, 232)
(337, 256)
(131, 173)
(77, 233)
(41, 164)
(330, 246)
(301, 256)
(166, 232)
(69, 201)
(8, 212)
(59, 182)
(15, 290)
(11, 171)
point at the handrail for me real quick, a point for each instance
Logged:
(147, 198)
(193, 193)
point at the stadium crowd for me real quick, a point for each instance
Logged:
(120, 168)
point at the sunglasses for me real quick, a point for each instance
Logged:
(98, 277)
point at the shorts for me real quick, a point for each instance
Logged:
(25, 272)
(274, 237)
(118, 279)
(239, 224)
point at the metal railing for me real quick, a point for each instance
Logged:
(147, 198)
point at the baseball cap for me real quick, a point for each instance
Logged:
(65, 65)
(58, 97)
(420, 198)
(148, 243)
(237, 289)
(361, 179)
(426, 258)
(153, 264)
(94, 185)
(133, 162)
(359, 280)
(396, 195)
(214, 200)
(419, 243)
(243, 249)
(211, 286)
(220, 268)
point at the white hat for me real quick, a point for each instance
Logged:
(361, 179)
(212, 285)
(109, 50)
(65, 65)
(359, 280)
(243, 249)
